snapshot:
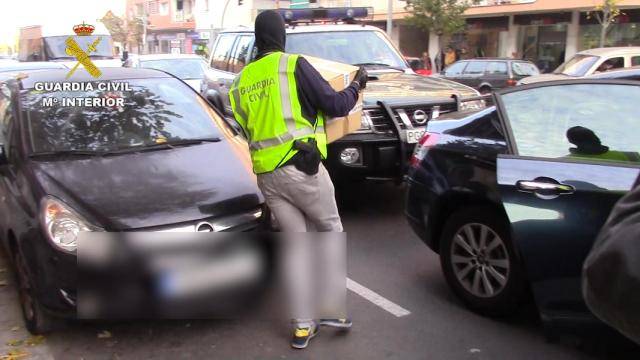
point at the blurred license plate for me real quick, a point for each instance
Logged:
(414, 135)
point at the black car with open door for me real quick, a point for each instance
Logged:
(512, 197)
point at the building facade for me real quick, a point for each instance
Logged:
(169, 26)
(547, 32)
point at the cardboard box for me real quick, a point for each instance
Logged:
(339, 76)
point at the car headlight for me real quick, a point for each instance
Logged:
(62, 224)
(472, 105)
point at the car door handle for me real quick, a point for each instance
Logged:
(545, 187)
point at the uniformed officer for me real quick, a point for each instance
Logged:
(281, 103)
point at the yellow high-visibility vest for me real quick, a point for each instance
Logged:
(264, 99)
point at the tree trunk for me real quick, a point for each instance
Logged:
(603, 35)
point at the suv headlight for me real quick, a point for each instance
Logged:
(62, 224)
(472, 105)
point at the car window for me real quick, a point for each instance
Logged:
(484, 125)
(576, 121)
(239, 57)
(349, 47)
(635, 61)
(577, 65)
(455, 69)
(154, 111)
(222, 52)
(475, 68)
(496, 68)
(524, 69)
(611, 64)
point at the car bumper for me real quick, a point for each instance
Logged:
(55, 274)
(380, 158)
(419, 200)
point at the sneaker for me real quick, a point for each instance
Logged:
(337, 323)
(302, 335)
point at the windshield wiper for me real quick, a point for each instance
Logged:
(65, 153)
(380, 64)
(162, 146)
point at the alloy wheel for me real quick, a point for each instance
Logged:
(480, 260)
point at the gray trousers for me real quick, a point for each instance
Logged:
(296, 198)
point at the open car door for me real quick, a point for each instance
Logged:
(574, 151)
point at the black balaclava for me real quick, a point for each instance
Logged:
(270, 32)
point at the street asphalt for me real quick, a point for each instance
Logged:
(414, 316)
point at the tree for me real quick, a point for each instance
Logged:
(116, 26)
(441, 17)
(135, 29)
(606, 14)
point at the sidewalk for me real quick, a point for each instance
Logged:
(15, 341)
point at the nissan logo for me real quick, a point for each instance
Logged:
(204, 227)
(420, 117)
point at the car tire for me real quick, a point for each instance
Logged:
(485, 90)
(36, 319)
(486, 274)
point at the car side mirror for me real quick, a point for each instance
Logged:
(3, 156)
(214, 98)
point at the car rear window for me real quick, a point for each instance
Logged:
(524, 69)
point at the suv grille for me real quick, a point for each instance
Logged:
(378, 120)
(381, 124)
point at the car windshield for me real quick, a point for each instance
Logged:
(181, 68)
(350, 47)
(56, 46)
(524, 69)
(577, 65)
(153, 111)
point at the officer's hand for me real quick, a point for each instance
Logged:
(361, 77)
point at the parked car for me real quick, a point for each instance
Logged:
(489, 74)
(163, 160)
(590, 62)
(513, 196)
(632, 73)
(192, 69)
(417, 65)
(380, 149)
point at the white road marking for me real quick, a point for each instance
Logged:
(377, 299)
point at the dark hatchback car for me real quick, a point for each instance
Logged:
(489, 74)
(512, 197)
(162, 160)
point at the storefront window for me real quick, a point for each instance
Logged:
(618, 35)
(544, 45)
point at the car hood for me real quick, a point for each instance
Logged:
(400, 87)
(543, 77)
(140, 190)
